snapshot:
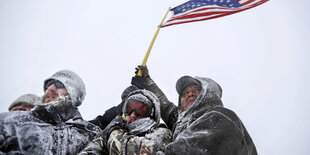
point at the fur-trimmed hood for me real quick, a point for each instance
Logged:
(210, 91)
(149, 95)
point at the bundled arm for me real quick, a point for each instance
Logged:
(169, 111)
(103, 120)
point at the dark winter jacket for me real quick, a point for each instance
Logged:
(103, 120)
(143, 136)
(44, 131)
(206, 127)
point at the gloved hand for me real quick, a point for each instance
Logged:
(145, 71)
(46, 115)
(139, 81)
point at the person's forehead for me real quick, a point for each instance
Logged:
(27, 105)
(193, 86)
(23, 104)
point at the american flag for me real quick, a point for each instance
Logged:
(198, 10)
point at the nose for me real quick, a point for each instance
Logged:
(52, 88)
(133, 115)
(191, 94)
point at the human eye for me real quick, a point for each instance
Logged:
(185, 93)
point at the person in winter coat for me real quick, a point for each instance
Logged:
(54, 126)
(24, 103)
(137, 132)
(200, 124)
(103, 120)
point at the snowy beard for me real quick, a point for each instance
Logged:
(62, 106)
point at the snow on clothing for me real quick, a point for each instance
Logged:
(143, 136)
(121, 142)
(206, 127)
(73, 83)
(50, 128)
(42, 131)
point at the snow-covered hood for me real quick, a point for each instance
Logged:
(210, 96)
(73, 83)
(206, 127)
(152, 97)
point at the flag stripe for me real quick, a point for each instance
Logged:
(247, 2)
(210, 12)
(203, 10)
(193, 20)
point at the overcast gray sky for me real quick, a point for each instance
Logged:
(260, 57)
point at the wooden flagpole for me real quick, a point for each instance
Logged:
(152, 43)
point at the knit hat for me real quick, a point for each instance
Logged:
(73, 83)
(140, 98)
(185, 81)
(26, 99)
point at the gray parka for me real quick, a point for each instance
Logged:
(206, 127)
(42, 131)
